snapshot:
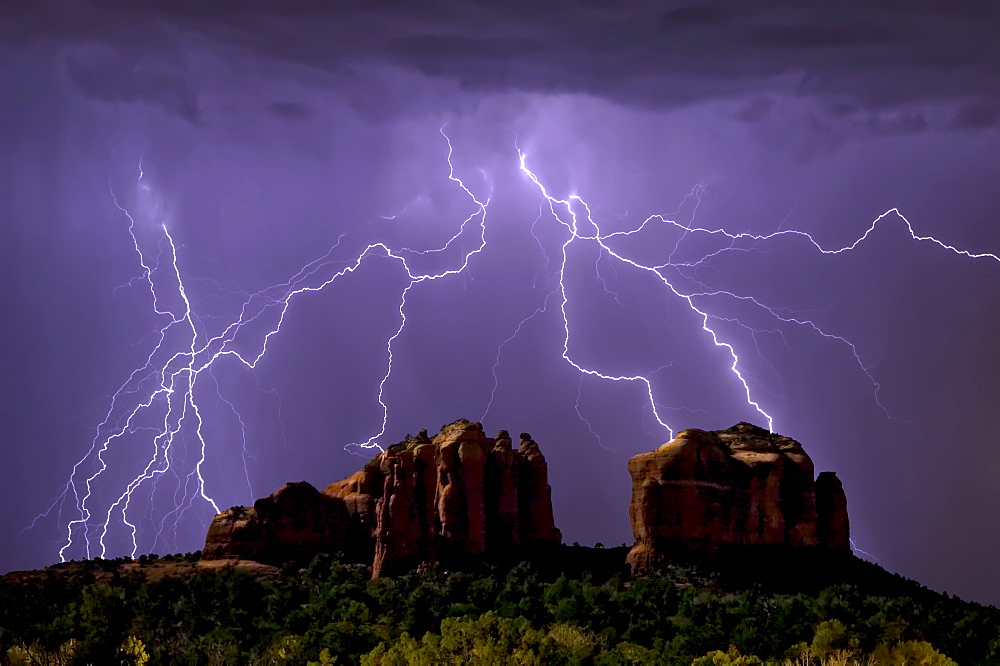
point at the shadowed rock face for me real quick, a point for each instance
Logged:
(461, 495)
(295, 521)
(709, 490)
(833, 529)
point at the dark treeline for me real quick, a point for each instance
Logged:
(588, 612)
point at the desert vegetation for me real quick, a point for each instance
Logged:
(327, 612)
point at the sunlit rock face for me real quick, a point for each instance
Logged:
(706, 491)
(460, 496)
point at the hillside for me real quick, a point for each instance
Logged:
(580, 606)
(444, 550)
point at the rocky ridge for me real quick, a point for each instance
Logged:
(464, 497)
(459, 496)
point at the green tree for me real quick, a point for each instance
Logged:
(732, 657)
(133, 651)
(102, 622)
(576, 645)
(830, 637)
(483, 641)
(909, 653)
(627, 653)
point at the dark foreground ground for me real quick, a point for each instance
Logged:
(568, 605)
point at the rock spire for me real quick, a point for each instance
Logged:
(457, 497)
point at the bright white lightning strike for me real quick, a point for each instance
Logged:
(176, 370)
(572, 224)
(562, 210)
(167, 384)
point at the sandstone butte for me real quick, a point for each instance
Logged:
(462, 496)
(728, 490)
(459, 496)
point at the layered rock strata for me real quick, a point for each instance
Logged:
(458, 496)
(706, 491)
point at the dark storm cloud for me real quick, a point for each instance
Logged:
(806, 37)
(118, 77)
(292, 110)
(691, 15)
(755, 109)
(868, 54)
(437, 47)
(899, 123)
(977, 115)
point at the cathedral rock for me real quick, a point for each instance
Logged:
(457, 497)
(463, 497)
(712, 491)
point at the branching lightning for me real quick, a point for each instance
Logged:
(174, 369)
(564, 211)
(163, 397)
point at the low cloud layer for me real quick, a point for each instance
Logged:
(883, 66)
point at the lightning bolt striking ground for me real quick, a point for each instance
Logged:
(564, 211)
(161, 404)
(167, 385)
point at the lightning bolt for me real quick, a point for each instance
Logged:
(868, 556)
(564, 211)
(167, 383)
(573, 211)
(161, 400)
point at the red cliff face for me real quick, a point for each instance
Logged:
(705, 491)
(460, 495)
(295, 521)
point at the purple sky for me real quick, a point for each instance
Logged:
(264, 135)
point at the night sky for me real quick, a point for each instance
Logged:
(265, 136)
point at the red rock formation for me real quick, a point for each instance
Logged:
(833, 529)
(503, 508)
(460, 495)
(295, 521)
(705, 491)
(535, 495)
